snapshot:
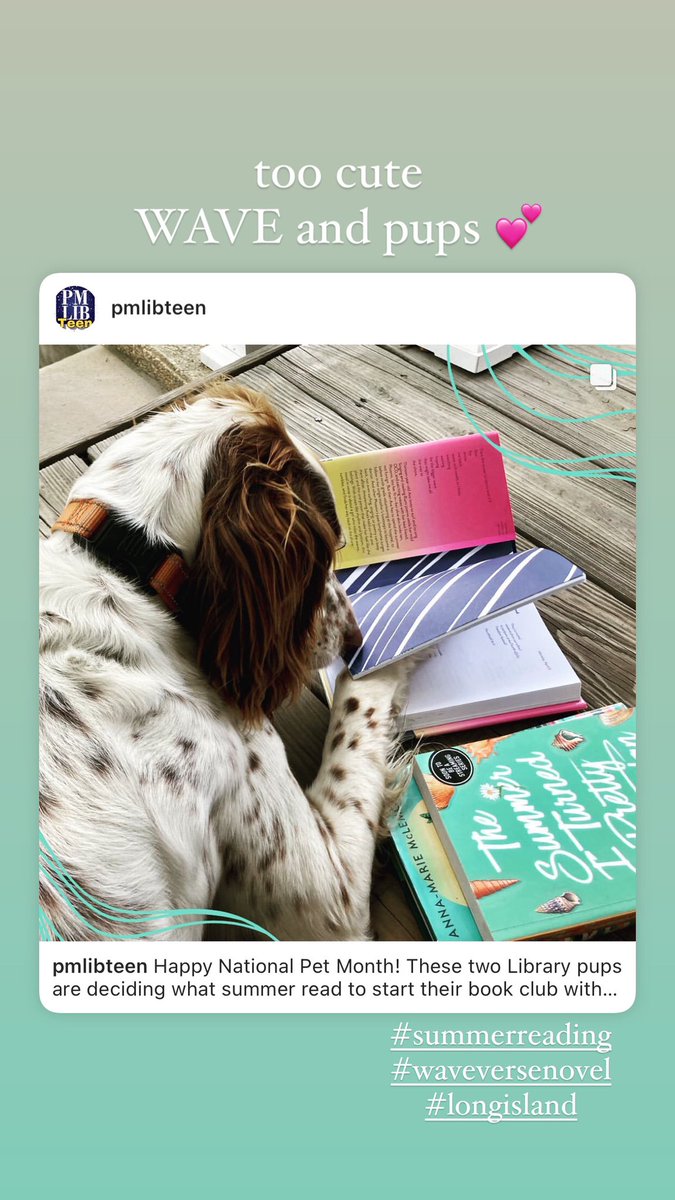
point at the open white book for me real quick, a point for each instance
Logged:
(507, 668)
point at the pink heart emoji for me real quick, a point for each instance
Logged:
(531, 211)
(511, 231)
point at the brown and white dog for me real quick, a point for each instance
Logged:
(163, 779)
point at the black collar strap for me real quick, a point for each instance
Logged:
(156, 568)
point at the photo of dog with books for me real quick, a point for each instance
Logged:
(201, 567)
(162, 774)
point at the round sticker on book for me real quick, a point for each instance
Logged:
(451, 766)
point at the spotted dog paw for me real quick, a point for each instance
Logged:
(380, 697)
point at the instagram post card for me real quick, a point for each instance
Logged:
(337, 646)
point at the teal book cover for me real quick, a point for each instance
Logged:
(539, 826)
(428, 873)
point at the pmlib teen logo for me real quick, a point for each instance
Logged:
(75, 308)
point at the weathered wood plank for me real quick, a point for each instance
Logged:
(578, 394)
(552, 397)
(55, 484)
(625, 383)
(393, 917)
(392, 924)
(575, 517)
(93, 452)
(302, 728)
(370, 374)
(527, 432)
(324, 430)
(596, 632)
(321, 427)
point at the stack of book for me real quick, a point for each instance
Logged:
(528, 835)
(430, 563)
(524, 836)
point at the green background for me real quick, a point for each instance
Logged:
(151, 104)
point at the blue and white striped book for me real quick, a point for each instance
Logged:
(404, 606)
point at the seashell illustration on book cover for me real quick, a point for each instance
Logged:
(616, 715)
(484, 748)
(565, 740)
(560, 904)
(487, 887)
(441, 793)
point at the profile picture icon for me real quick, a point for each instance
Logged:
(75, 307)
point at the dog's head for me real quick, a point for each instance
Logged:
(263, 601)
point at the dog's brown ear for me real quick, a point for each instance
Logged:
(261, 567)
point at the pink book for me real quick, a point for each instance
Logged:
(421, 499)
(526, 714)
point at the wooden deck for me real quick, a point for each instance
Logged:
(340, 399)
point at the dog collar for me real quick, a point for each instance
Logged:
(156, 568)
